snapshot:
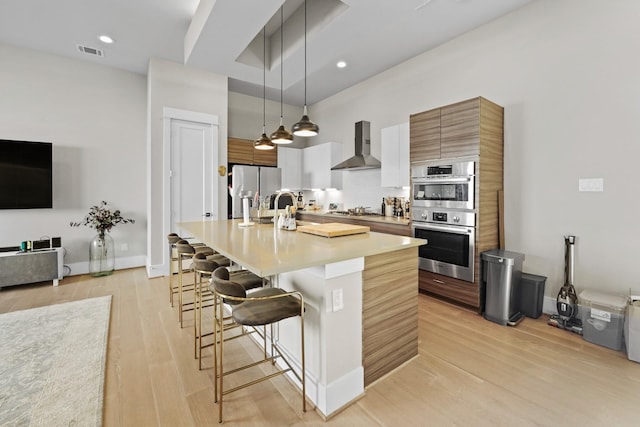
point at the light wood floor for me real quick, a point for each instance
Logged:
(470, 372)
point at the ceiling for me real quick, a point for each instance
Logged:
(225, 36)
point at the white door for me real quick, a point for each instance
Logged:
(193, 190)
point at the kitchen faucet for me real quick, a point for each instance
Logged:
(275, 205)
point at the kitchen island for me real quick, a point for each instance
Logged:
(361, 318)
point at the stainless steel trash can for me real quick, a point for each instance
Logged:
(501, 272)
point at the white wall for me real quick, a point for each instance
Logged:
(567, 74)
(173, 85)
(95, 118)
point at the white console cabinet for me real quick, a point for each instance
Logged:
(19, 268)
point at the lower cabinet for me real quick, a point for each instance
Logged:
(448, 287)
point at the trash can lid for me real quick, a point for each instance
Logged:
(502, 256)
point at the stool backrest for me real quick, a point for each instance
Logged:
(226, 288)
(184, 248)
(201, 263)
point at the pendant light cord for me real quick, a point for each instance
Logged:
(264, 80)
(305, 54)
(281, 58)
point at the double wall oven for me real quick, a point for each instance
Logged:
(443, 214)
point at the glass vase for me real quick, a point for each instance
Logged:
(102, 259)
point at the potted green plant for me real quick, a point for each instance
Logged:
(102, 218)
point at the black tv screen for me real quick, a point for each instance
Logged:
(25, 175)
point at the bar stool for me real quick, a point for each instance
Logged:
(204, 266)
(261, 308)
(172, 239)
(185, 251)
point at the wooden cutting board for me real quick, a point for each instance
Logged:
(333, 229)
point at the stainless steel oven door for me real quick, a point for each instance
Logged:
(450, 193)
(449, 250)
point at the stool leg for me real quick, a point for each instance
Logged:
(215, 348)
(221, 372)
(197, 307)
(180, 289)
(303, 375)
(171, 274)
(200, 327)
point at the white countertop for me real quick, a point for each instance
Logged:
(267, 251)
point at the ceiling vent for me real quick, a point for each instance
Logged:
(90, 50)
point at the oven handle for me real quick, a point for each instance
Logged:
(447, 180)
(453, 229)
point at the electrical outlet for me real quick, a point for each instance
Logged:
(338, 301)
(124, 247)
(591, 184)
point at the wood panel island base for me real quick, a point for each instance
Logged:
(361, 298)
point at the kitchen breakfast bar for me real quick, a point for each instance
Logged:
(361, 299)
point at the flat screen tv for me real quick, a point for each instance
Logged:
(25, 175)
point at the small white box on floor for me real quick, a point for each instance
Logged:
(602, 317)
(632, 330)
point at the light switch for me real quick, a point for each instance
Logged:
(338, 301)
(591, 184)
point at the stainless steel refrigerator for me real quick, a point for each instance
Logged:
(246, 181)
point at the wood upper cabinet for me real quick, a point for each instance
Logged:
(424, 136)
(460, 129)
(456, 130)
(241, 151)
(265, 157)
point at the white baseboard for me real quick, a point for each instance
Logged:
(549, 305)
(121, 264)
(155, 271)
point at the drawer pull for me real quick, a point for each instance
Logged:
(439, 281)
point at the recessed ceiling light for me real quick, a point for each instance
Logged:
(105, 39)
(341, 64)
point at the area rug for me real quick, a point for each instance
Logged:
(52, 363)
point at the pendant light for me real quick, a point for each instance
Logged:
(305, 127)
(264, 143)
(281, 135)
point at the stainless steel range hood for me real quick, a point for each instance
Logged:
(362, 158)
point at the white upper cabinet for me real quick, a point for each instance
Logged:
(394, 153)
(316, 166)
(290, 163)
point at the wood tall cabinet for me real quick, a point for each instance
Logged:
(471, 128)
(241, 151)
